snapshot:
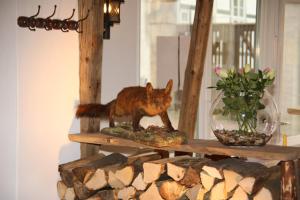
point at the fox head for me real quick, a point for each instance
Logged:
(158, 100)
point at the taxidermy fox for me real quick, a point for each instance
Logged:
(135, 102)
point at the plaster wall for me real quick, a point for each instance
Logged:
(40, 87)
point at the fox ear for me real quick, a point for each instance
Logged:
(149, 89)
(169, 87)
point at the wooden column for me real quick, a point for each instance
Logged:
(195, 67)
(288, 180)
(90, 64)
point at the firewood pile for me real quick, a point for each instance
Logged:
(148, 177)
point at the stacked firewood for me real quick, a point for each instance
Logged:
(148, 177)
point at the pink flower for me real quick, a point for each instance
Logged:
(218, 70)
(269, 73)
(241, 70)
(266, 70)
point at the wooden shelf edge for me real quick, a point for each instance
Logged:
(293, 111)
(268, 152)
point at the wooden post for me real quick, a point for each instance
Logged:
(90, 64)
(288, 180)
(195, 67)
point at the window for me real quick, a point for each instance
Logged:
(165, 37)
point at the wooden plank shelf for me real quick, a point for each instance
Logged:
(270, 152)
(293, 111)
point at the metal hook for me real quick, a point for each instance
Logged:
(38, 12)
(71, 16)
(84, 17)
(52, 13)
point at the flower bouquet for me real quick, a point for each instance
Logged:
(244, 113)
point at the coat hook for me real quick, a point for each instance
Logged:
(84, 17)
(81, 20)
(32, 21)
(71, 15)
(38, 12)
(49, 24)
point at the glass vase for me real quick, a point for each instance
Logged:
(241, 125)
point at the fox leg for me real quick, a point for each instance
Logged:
(136, 121)
(111, 119)
(165, 119)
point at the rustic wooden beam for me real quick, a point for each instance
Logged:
(195, 67)
(288, 180)
(90, 64)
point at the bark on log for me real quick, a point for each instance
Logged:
(90, 65)
(195, 67)
(104, 195)
(271, 187)
(288, 180)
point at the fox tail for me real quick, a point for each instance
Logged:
(93, 110)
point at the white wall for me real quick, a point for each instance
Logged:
(40, 85)
(8, 105)
(48, 86)
(121, 53)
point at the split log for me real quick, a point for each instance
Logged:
(70, 194)
(170, 190)
(213, 171)
(207, 180)
(104, 195)
(122, 176)
(196, 193)
(85, 178)
(96, 180)
(231, 179)
(218, 191)
(139, 182)
(253, 174)
(151, 193)
(186, 170)
(61, 189)
(114, 182)
(65, 170)
(127, 193)
(239, 194)
(153, 169)
(81, 191)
